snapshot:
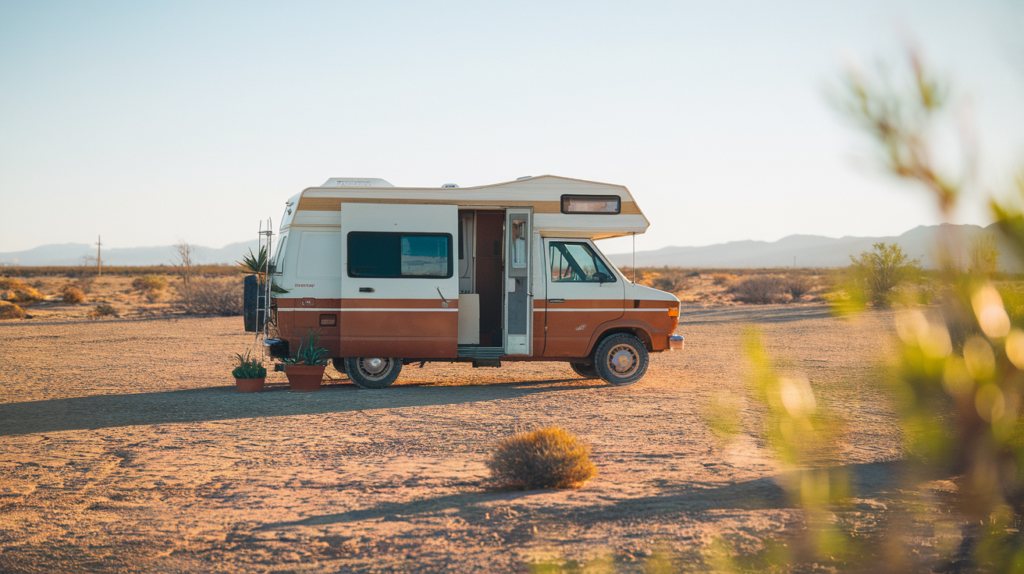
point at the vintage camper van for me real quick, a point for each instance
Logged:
(506, 272)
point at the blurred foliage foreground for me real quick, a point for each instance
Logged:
(956, 383)
(956, 380)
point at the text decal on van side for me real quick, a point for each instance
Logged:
(305, 284)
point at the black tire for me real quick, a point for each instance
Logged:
(339, 365)
(584, 370)
(363, 371)
(621, 359)
(250, 292)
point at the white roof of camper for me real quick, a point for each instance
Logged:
(319, 206)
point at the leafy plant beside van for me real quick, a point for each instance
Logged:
(305, 369)
(249, 373)
(257, 264)
(309, 352)
(248, 368)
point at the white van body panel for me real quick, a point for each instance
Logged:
(525, 307)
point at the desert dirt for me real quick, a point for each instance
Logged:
(126, 448)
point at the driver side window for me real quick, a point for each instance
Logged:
(576, 262)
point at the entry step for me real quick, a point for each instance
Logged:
(481, 353)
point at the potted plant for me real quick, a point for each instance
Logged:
(250, 374)
(305, 369)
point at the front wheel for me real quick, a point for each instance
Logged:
(584, 370)
(621, 359)
(373, 372)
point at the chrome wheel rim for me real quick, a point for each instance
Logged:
(623, 360)
(374, 367)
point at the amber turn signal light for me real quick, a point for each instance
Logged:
(328, 320)
(674, 312)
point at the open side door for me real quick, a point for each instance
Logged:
(399, 280)
(518, 284)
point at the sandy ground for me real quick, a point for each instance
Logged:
(127, 449)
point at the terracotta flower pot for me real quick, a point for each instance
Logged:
(250, 385)
(304, 377)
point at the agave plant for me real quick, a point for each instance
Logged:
(248, 368)
(255, 264)
(309, 352)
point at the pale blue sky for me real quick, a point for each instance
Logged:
(150, 122)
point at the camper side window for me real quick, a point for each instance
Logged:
(576, 262)
(279, 254)
(374, 254)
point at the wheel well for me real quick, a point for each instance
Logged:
(644, 337)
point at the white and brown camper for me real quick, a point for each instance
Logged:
(506, 272)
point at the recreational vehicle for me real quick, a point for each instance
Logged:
(489, 274)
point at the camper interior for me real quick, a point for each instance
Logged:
(481, 282)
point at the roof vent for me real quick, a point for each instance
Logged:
(356, 182)
(450, 185)
(524, 177)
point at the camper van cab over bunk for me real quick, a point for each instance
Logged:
(506, 272)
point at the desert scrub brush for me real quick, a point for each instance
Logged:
(547, 458)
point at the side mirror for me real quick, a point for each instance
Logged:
(602, 277)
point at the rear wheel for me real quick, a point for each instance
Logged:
(339, 365)
(621, 359)
(373, 372)
(584, 370)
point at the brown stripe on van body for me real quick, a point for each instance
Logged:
(399, 334)
(334, 204)
(655, 328)
(295, 303)
(377, 333)
(579, 304)
(398, 347)
(645, 304)
(568, 334)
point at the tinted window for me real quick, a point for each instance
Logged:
(592, 204)
(399, 254)
(279, 254)
(576, 262)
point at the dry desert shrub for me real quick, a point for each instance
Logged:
(72, 294)
(671, 280)
(7, 283)
(15, 291)
(213, 297)
(9, 310)
(84, 283)
(799, 285)
(104, 310)
(546, 458)
(149, 283)
(721, 279)
(760, 289)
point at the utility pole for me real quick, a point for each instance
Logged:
(99, 261)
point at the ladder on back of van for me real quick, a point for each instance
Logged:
(265, 241)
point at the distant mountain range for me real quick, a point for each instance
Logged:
(808, 251)
(75, 254)
(817, 251)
